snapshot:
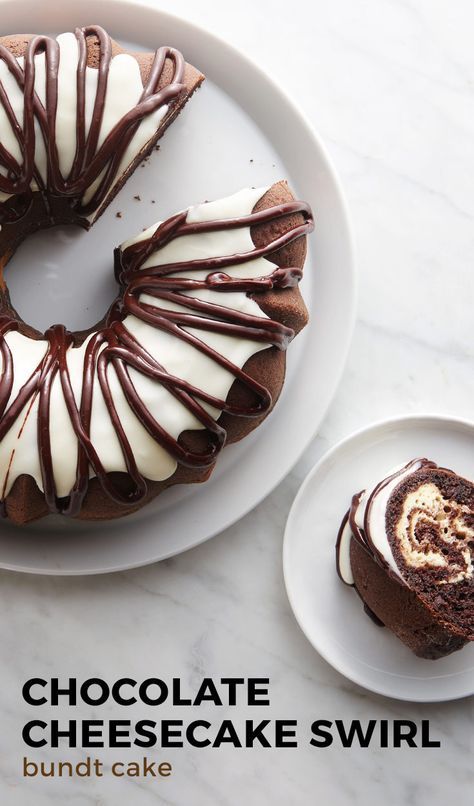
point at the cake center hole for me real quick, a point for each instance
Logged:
(62, 275)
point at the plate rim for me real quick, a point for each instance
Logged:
(403, 419)
(106, 7)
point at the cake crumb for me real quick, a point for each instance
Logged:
(153, 201)
(118, 215)
(137, 197)
(250, 160)
(157, 148)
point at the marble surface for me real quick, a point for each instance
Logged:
(389, 84)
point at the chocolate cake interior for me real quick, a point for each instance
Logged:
(430, 525)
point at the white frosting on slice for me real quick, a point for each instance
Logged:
(344, 556)
(177, 356)
(378, 508)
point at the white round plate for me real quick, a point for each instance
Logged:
(229, 136)
(330, 613)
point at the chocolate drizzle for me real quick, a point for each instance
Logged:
(115, 346)
(91, 163)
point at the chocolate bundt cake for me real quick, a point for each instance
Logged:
(407, 546)
(190, 355)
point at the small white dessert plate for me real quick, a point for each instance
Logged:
(229, 136)
(330, 613)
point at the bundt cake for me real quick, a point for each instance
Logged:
(407, 546)
(190, 355)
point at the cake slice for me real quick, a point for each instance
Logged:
(407, 546)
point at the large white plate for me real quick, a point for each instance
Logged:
(238, 130)
(329, 613)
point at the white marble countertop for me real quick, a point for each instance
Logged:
(389, 85)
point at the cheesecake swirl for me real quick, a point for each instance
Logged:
(435, 534)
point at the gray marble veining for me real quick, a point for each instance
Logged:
(390, 87)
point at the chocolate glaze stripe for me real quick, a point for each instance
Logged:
(89, 162)
(115, 346)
